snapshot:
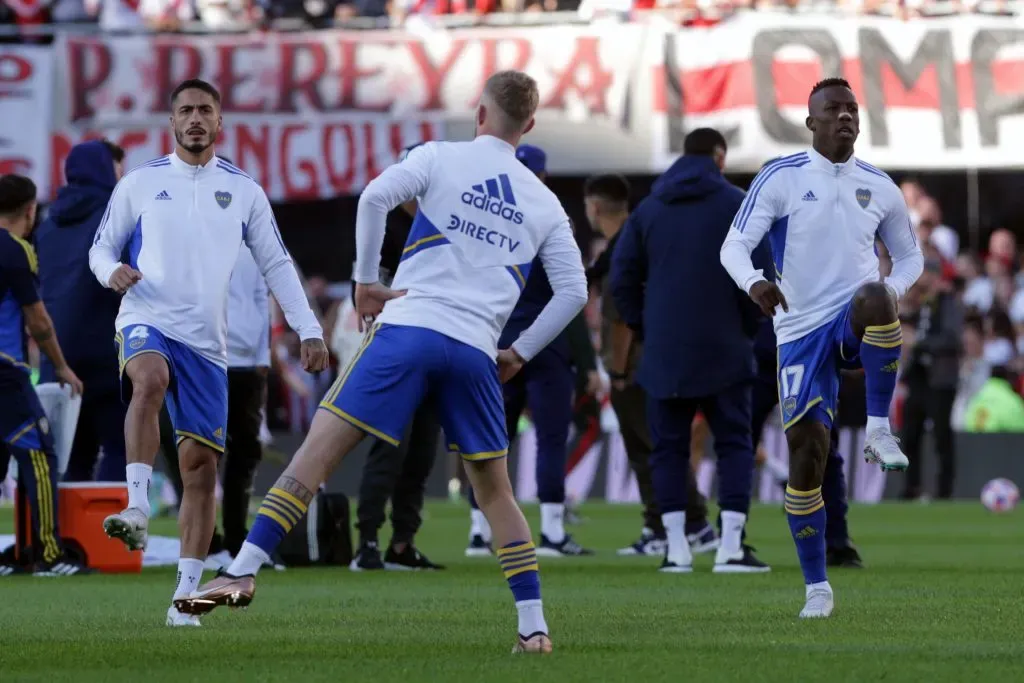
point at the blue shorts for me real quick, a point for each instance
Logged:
(23, 422)
(809, 371)
(398, 367)
(197, 396)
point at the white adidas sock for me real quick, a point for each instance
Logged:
(732, 531)
(138, 476)
(190, 571)
(678, 546)
(531, 617)
(824, 585)
(249, 560)
(478, 525)
(877, 423)
(552, 522)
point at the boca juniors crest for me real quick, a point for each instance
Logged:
(863, 197)
(224, 199)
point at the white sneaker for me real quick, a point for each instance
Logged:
(176, 618)
(131, 526)
(883, 448)
(819, 604)
(221, 560)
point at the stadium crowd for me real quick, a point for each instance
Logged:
(219, 15)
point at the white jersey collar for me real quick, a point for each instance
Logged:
(496, 143)
(180, 164)
(818, 161)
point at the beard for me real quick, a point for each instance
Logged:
(195, 147)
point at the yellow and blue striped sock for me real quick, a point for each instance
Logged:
(519, 562)
(880, 355)
(806, 513)
(277, 515)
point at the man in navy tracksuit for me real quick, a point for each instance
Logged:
(697, 342)
(546, 385)
(83, 311)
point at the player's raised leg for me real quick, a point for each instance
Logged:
(875, 322)
(377, 394)
(145, 376)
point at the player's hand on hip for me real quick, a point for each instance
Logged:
(313, 355)
(123, 278)
(370, 300)
(509, 363)
(65, 375)
(768, 296)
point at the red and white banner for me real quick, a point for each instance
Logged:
(934, 94)
(318, 114)
(26, 86)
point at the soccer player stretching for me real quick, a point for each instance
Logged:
(822, 210)
(482, 219)
(183, 218)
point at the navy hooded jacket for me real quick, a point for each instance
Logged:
(669, 285)
(83, 311)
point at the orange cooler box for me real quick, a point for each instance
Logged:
(81, 510)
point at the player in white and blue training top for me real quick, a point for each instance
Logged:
(182, 219)
(822, 211)
(482, 219)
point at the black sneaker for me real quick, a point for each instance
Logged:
(11, 569)
(478, 547)
(367, 559)
(649, 544)
(61, 568)
(668, 567)
(410, 559)
(846, 557)
(744, 562)
(567, 548)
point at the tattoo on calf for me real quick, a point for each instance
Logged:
(43, 335)
(295, 487)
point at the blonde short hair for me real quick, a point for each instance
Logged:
(515, 94)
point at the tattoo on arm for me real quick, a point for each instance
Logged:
(295, 487)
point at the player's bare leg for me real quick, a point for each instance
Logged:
(875, 321)
(329, 440)
(516, 552)
(149, 376)
(196, 520)
(805, 509)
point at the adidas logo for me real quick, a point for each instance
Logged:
(809, 197)
(219, 434)
(806, 532)
(163, 195)
(891, 367)
(494, 196)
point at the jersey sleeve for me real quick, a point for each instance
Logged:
(897, 234)
(398, 183)
(563, 264)
(113, 233)
(19, 272)
(263, 238)
(760, 208)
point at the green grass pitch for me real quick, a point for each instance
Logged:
(941, 600)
